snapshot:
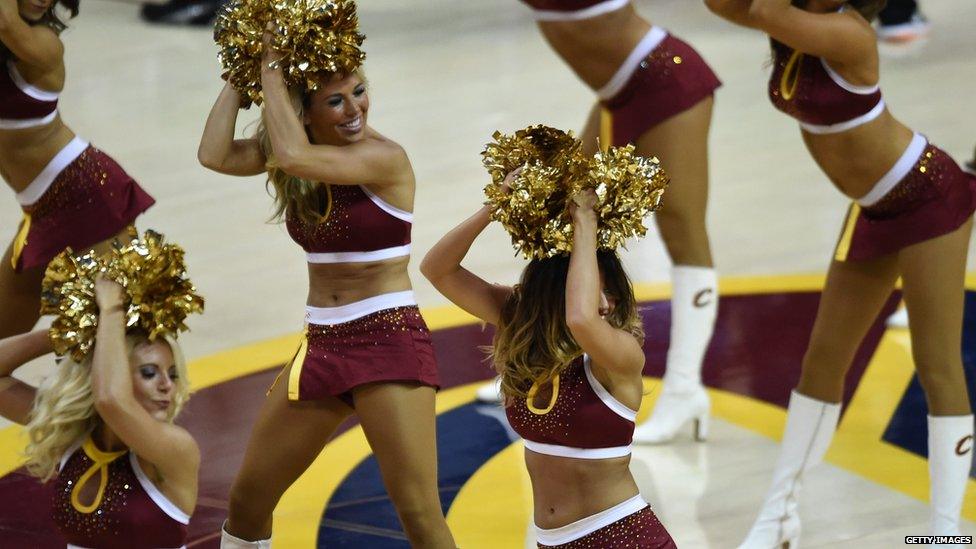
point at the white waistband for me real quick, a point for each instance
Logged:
(19, 124)
(585, 526)
(43, 181)
(896, 173)
(344, 313)
(844, 126)
(651, 40)
(358, 257)
(578, 453)
(70, 546)
(578, 15)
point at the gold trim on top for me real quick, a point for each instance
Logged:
(791, 76)
(100, 463)
(530, 398)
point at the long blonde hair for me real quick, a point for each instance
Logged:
(304, 199)
(64, 408)
(533, 344)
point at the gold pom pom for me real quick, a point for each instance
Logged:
(317, 38)
(158, 295)
(535, 210)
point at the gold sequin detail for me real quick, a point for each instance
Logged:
(677, 59)
(927, 180)
(638, 530)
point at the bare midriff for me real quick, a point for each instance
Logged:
(25, 152)
(568, 489)
(595, 48)
(854, 160)
(336, 284)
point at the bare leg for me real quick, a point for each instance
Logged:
(849, 305)
(399, 423)
(933, 274)
(286, 439)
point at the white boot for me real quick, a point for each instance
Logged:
(490, 392)
(694, 305)
(950, 460)
(810, 425)
(228, 541)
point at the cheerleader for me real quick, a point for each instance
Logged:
(910, 218)
(101, 429)
(655, 91)
(346, 194)
(72, 194)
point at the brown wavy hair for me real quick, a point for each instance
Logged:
(869, 9)
(533, 344)
(304, 199)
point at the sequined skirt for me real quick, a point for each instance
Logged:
(390, 344)
(89, 201)
(933, 199)
(671, 79)
(639, 529)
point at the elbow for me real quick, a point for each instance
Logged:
(759, 11)
(716, 6)
(579, 321)
(427, 269)
(288, 159)
(107, 404)
(208, 161)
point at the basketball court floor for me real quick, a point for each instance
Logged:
(445, 74)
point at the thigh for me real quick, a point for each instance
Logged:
(400, 425)
(285, 440)
(20, 297)
(853, 296)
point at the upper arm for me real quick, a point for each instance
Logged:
(736, 11)
(245, 158)
(378, 162)
(473, 294)
(840, 36)
(170, 448)
(16, 400)
(612, 348)
(35, 45)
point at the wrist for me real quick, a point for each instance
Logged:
(115, 308)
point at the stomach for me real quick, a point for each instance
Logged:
(25, 152)
(854, 160)
(594, 48)
(565, 490)
(337, 284)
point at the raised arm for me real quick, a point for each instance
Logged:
(36, 45)
(219, 150)
(17, 397)
(736, 11)
(374, 160)
(612, 348)
(442, 267)
(168, 447)
(842, 36)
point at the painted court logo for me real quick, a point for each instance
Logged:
(964, 445)
(939, 540)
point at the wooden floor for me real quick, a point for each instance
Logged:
(445, 74)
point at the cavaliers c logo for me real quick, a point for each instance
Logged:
(702, 297)
(964, 445)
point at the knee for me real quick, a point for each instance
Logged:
(250, 502)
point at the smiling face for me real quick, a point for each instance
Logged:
(155, 378)
(33, 10)
(335, 114)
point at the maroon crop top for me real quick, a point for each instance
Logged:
(130, 513)
(807, 89)
(572, 10)
(358, 227)
(582, 420)
(21, 104)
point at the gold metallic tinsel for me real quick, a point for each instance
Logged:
(317, 38)
(157, 298)
(535, 211)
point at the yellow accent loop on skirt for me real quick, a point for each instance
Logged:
(606, 129)
(20, 241)
(101, 462)
(294, 377)
(844, 245)
(530, 398)
(791, 76)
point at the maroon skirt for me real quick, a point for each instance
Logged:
(640, 530)
(670, 80)
(391, 345)
(933, 199)
(91, 200)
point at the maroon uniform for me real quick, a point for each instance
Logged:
(379, 339)
(129, 512)
(923, 196)
(582, 420)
